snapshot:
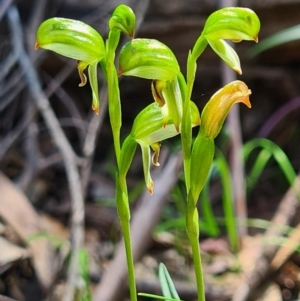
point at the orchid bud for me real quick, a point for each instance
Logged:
(123, 19)
(148, 58)
(76, 40)
(218, 107)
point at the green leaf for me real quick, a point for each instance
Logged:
(148, 58)
(269, 149)
(166, 283)
(158, 297)
(284, 36)
(209, 220)
(201, 160)
(227, 197)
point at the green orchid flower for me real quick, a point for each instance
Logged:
(229, 23)
(148, 130)
(76, 40)
(148, 58)
(219, 105)
(212, 120)
(152, 59)
(123, 20)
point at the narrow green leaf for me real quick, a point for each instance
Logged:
(210, 224)
(278, 154)
(284, 36)
(166, 283)
(227, 199)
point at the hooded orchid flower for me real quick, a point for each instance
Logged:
(212, 120)
(148, 130)
(76, 40)
(229, 23)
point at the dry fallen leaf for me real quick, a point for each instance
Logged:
(10, 252)
(18, 212)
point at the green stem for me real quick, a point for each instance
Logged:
(114, 103)
(125, 159)
(186, 128)
(115, 116)
(193, 233)
(114, 107)
(129, 258)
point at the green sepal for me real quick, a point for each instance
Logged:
(226, 53)
(76, 40)
(149, 120)
(232, 23)
(149, 127)
(146, 158)
(123, 19)
(94, 85)
(148, 58)
(71, 38)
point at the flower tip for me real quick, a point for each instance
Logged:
(150, 187)
(256, 39)
(238, 70)
(247, 100)
(83, 80)
(131, 34)
(36, 45)
(96, 109)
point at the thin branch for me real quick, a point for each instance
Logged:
(14, 134)
(91, 137)
(69, 157)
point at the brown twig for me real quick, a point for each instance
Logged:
(144, 220)
(89, 144)
(69, 157)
